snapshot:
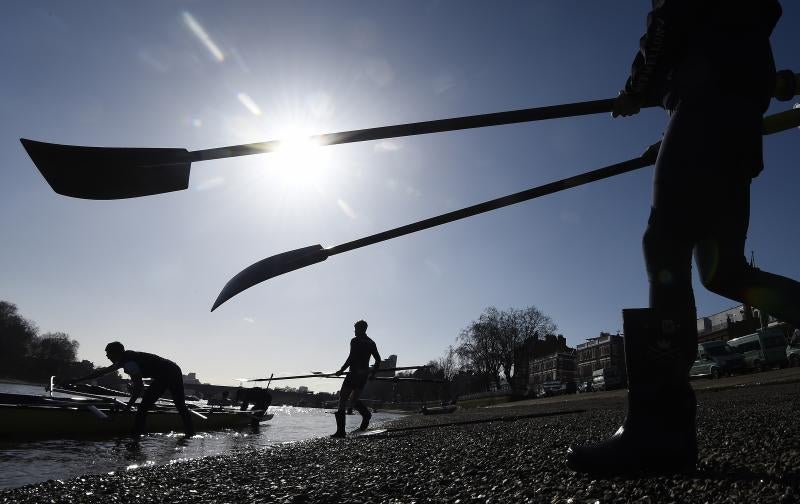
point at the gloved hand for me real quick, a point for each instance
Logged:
(626, 105)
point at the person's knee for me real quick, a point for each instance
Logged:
(721, 274)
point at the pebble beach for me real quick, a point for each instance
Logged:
(749, 452)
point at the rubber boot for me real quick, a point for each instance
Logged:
(340, 420)
(365, 415)
(659, 433)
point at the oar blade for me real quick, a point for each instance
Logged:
(270, 268)
(103, 173)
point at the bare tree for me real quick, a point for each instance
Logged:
(508, 340)
(494, 341)
(478, 345)
(522, 325)
(449, 364)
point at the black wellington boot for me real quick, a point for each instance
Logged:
(340, 419)
(365, 415)
(659, 433)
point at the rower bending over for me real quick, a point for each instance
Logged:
(361, 348)
(164, 373)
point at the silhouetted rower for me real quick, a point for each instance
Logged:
(361, 349)
(164, 375)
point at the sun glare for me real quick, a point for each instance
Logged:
(300, 162)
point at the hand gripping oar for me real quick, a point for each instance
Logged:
(121, 172)
(300, 258)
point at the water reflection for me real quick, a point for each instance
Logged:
(23, 462)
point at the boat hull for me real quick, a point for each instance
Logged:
(35, 421)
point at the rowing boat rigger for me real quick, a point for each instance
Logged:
(27, 416)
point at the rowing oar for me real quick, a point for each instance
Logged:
(391, 378)
(318, 374)
(117, 401)
(295, 259)
(121, 172)
(90, 396)
(104, 173)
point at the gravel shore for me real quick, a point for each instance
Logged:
(749, 446)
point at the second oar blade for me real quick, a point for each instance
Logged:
(295, 259)
(269, 268)
(104, 173)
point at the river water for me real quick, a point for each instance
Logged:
(24, 462)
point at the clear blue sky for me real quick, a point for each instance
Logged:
(203, 74)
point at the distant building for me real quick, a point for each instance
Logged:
(389, 363)
(190, 379)
(558, 366)
(302, 389)
(381, 389)
(731, 323)
(529, 351)
(604, 351)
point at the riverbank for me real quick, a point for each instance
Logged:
(749, 444)
(12, 381)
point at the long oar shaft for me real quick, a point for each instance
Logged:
(117, 401)
(295, 259)
(90, 396)
(645, 159)
(419, 128)
(331, 375)
(787, 86)
(772, 124)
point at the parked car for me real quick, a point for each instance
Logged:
(585, 386)
(763, 349)
(715, 359)
(609, 378)
(793, 355)
(555, 387)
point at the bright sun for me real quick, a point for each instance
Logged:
(300, 163)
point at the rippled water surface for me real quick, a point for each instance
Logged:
(34, 461)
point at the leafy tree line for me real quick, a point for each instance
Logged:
(27, 354)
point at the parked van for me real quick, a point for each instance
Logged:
(763, 349)
(793, 355)
(609, 378)
(715, 359)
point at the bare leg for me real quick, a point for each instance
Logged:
(178, 397)
(151, 395)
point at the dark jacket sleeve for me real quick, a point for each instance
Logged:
(658, 48)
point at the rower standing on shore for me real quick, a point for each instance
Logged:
(361, 348)
(710, 65)
(164, 373)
